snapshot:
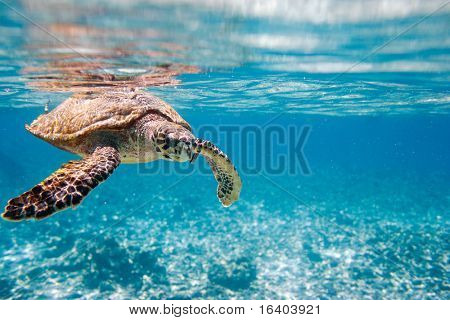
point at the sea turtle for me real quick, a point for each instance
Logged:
(105, 129)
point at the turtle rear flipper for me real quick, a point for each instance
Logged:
(227, 177)
(65, 187)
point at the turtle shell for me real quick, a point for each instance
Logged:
(83, 114)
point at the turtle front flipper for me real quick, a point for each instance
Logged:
(65, 187)
(229, 182)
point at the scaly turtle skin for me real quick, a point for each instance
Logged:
(106, 129)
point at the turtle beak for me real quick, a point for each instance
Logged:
(194, 156)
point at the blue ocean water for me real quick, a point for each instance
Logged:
(368, 220)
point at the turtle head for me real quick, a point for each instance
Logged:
(180, 151)
(176, 145)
